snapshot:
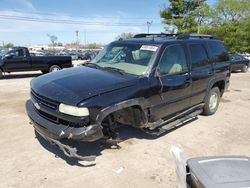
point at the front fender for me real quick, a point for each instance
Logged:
(124, 104)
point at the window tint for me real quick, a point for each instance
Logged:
(219, 53)
(198, 56)
(173, 60)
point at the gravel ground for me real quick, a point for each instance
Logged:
(29, 161)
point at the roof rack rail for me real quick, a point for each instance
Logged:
(201, 36)
(152, 35)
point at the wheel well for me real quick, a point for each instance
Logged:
(221, 85)
(54, 65)
(133, 115)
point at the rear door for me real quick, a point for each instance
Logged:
(174, 82)
(201, 71)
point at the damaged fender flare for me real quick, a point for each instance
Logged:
(119, 106)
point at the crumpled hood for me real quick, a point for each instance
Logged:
(71, 86)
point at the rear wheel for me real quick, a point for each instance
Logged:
(244, 68)
(212, 101)
(1, 73)
(54, 68)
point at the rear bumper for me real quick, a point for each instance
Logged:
(58, 131)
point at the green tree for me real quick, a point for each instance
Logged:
(125, 36)
(231, 22)
(8, 45)
(92, 46)
(53, 39)
(232, 10)
(184, 15)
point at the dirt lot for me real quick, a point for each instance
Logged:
(26, 161)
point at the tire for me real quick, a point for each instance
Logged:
(1, 74)
(54, 68)
(244, 68)
(212, 102)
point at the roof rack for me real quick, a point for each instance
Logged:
(152, 35)
(200, 36)
(177, 36)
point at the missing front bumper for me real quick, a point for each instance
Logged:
(68, 150)
(55, 132)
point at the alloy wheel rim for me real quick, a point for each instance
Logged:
(55, 69)
(213, 101)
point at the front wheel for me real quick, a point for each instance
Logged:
(54, 68)
(212, 102)
(244, 68)
(1, 73)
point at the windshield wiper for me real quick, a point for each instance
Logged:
(115, 69)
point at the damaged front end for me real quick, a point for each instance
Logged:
(54, 132)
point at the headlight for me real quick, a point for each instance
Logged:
(73, 110)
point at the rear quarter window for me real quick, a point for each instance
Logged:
(218, 51)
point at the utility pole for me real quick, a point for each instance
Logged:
(77, 38)
(199, 17)
(85, 39)
(149, 23)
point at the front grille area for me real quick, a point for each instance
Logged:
(53, 106)
(44, 101)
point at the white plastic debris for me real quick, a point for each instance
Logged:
(119, 170)
(180, 161)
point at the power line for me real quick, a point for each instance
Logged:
(81, 16)
(73, 22)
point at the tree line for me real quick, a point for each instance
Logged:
(228, 19)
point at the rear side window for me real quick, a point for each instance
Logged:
(198, 54)
(173, 60)
(219, 53)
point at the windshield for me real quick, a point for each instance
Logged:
(4, 52)
(129, 58)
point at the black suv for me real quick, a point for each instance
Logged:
(153, 82)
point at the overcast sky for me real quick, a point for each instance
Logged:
(101, 20)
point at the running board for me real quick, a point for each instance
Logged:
(162, 126)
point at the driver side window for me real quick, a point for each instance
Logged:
(173, 60)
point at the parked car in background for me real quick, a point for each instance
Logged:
(74, 56)
(239, 63)
(246, 55)
(19, 59)
(86, 55)
(151, 82)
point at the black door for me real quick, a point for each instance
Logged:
(18, 60)
(201, 71)
(174, 83)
